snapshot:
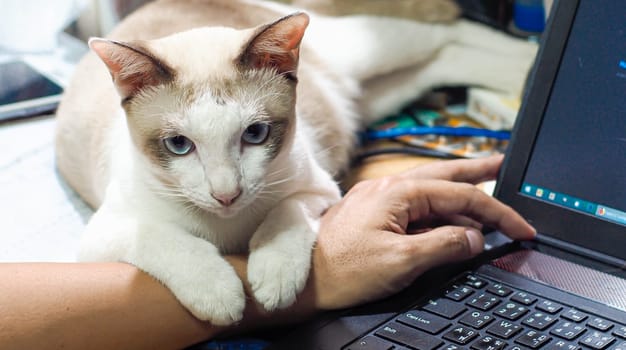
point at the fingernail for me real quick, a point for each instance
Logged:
(475, 240)
(533, 232)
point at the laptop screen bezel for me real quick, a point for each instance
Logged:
(573, 228)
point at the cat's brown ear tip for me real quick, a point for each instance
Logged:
(302, 17)
(96, 43)
(297, 20)
(100, 46)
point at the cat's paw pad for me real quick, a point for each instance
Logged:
(277, 277)
(220, 301)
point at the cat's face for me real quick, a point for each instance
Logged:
(212, 147)
(211, 120)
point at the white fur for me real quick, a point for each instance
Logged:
(139, 227)
(136, 225)
(179, 242)
(176, 232)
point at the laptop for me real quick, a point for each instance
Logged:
(565, 172)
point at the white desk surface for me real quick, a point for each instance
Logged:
(41, 218)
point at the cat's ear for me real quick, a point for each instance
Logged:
(132, 67)
(277, 45)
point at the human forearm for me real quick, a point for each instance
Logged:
(105, 306)
(116, 306)
(72, 306)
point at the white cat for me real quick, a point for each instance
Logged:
(210, 153)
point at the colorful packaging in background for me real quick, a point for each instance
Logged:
(452, 116)
(491, 109)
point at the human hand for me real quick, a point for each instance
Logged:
(365, 249)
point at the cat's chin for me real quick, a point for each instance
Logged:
(222, 212)
(226, 213)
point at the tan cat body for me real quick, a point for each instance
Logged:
(91, 104)
(226, 125)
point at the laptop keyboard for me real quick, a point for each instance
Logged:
(479, 314)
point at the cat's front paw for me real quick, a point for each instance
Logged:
(217, 298)
(276, 277)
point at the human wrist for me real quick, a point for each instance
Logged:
(255, 316)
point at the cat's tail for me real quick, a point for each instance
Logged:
(395, 60)
(434, 11)
(363, 47)
(368, 46)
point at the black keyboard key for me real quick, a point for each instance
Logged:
(568, 330)
(499, 290)
(408, 336)
(562, 345)
(476, 319)
(599, 324)
(533, 339)
(483, 301)
(539, 320)
(460, 335)
(549, 306)
(458, 293)
(424, 321)
(524, 298)
(474, 281)
(488, 343)
(620, 346)
(574, 315)
(370, 343)
(517, 347)
(597, 340)
(620, 332)
(445, 308)
(451, 347)
(504, 329)
(511, 311)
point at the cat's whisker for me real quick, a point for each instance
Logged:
(271, 189)
(254, 209)
(260, 203)
(167, 190)
(175, 196)
(278, 172)
(278, 182)
(164, 191)
(271, 192)
(263, 200)
(326, 150)
(190, 209)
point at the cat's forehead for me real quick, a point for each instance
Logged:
(202, 54)
(207, 62)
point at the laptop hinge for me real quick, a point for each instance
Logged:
(584, 252)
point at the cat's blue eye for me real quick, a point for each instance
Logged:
(256, 133)
(179, 145)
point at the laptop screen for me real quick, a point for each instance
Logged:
(579, 158)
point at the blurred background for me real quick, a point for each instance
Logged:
(43, 218)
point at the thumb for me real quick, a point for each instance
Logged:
(446, 244)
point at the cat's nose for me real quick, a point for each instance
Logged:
(227, 198)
